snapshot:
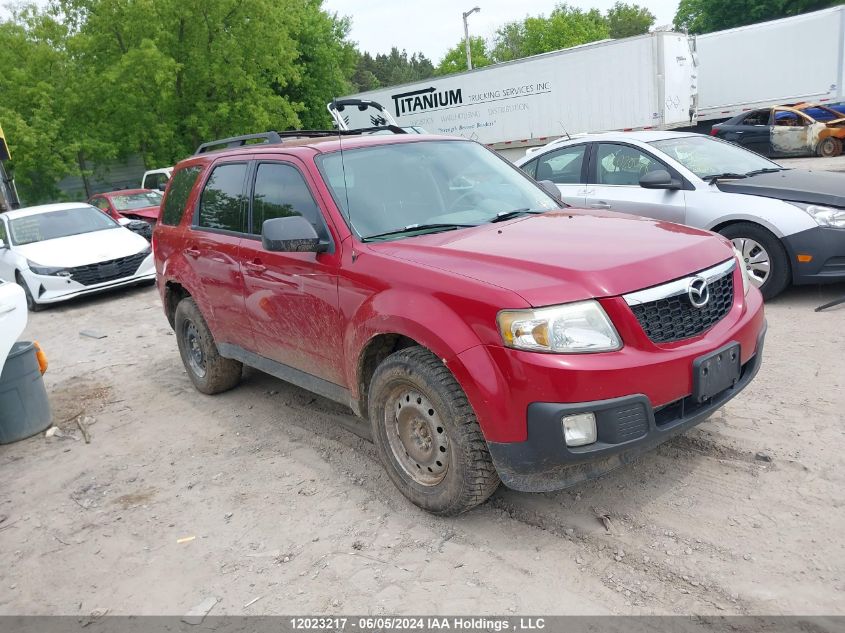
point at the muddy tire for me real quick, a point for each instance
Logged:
(829, 147)
(210, 372)
(30, 300)
(427, 435)
(765, 257)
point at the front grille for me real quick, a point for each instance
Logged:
(675, 318)
(110, 270)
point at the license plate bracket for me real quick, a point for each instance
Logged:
(715, 372)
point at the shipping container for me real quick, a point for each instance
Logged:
(644, 82)
(791, 60)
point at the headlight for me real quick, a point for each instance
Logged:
(569, 328)
(743, 269)
(48, 270)
(824, 216)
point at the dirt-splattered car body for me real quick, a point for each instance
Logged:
(797, 130)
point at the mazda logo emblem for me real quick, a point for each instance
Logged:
(699, 293)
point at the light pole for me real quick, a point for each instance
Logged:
(466, 34)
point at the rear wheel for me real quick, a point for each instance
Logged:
(30, 300)
(427, 434)
(829, 147)
(210, 372)
(764, 255)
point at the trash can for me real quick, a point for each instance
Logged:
(24, 408)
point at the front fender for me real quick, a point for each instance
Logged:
(439, 328)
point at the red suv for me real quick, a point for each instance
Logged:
(485, 331)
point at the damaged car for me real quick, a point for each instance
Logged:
(800, 130)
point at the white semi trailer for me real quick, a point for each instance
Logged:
(791, 60)
(640, 82)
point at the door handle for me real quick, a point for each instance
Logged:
(255, 267)
(739, 132)
(192, 252)
(600, 205)
(5, 309)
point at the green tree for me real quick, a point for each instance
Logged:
(455, 59)
(627, 20)
(706, 16)
(86, 81)
(34, 85)
(564, 27)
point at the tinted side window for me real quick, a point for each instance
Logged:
(624, 165)
(530, 168)
(281, 191)
(177, 195)
(222, 201)
(3, 237)
(562, 167)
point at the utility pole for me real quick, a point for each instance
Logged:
(466, 34)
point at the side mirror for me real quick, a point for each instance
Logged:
(550, 188)
(659, 179)
(2, 245)
(292, 234)
(162, 186)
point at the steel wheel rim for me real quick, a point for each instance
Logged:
(416, 436)
(756, 259)
(193, 348)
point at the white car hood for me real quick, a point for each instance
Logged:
(86, 248)
(12, 317)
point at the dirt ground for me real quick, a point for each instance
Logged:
(258, 497)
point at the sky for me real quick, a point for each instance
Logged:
(434, 26)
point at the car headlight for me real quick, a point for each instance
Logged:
(570, 328)
(824, 216)
(743, 269)
(48, 270)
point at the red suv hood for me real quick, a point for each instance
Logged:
(568, 255)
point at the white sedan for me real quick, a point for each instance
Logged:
(60, 251)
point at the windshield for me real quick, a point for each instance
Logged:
(389, 187)
(136, 200)
(706, 157)
(52, 225)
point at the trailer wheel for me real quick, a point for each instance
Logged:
(829, 147)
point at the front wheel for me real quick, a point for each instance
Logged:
(427, 435)
(207, 369)
(765, 257)
(31, 304)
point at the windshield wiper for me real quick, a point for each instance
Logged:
(765, 170)
(712, 178)
(507, 215)
(411, 228)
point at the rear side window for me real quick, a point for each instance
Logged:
(177, 196)
(281, 191)
(222, 202)
(562, 167)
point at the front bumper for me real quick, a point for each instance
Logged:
(627, 427)
(827, 247)
(47, 289)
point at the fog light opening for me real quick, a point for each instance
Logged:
(579, 429)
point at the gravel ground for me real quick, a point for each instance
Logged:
(260, 493)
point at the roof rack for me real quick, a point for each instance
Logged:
(273, 138)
